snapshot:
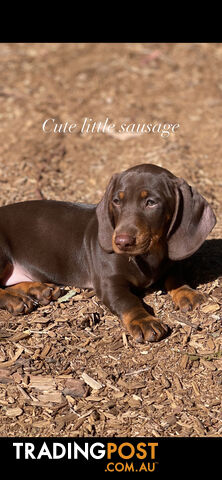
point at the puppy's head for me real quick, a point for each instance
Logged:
(147, 205)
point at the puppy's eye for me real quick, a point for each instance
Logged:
(116, 201)
(150, 202)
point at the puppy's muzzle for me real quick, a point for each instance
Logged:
(123, 241)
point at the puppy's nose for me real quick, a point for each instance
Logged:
(124, 240)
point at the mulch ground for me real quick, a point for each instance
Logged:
(69, 369)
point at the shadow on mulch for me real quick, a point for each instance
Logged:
(201, 268)
(205, 265)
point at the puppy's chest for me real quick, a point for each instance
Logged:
(146, 270)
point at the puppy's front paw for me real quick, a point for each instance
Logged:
(147, 330)
(144, 327)
(187, 299)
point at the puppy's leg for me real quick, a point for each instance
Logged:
(40, 293)
(23, 297)
(138, 322)
(11, 301)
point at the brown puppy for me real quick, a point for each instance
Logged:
(147, 219)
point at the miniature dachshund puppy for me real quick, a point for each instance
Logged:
(147, 220)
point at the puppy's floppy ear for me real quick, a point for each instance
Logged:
(104, 216)
(192, 221)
